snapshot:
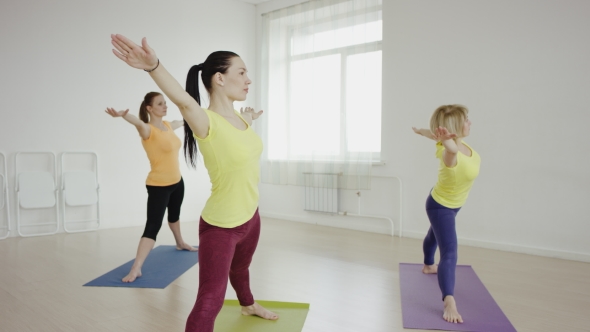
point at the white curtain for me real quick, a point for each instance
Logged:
(321, 82)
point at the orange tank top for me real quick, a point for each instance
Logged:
(162, 151)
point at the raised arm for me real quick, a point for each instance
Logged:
(144, 57)
(451, 149)
(142, 127)
(424, 132)
(176, 124)
(249, 114)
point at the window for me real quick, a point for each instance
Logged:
(322, 70)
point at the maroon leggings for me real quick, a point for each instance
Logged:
(222, 252)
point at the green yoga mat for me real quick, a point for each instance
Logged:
(291, 317)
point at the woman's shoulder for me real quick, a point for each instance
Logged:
(212, 115)
(469, 146)
(439, 150)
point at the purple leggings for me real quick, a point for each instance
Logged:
(223, 252)
(442, 232)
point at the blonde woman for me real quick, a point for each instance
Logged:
(458, 168)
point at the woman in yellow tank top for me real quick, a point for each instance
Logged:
(164, 182)
(230, 224)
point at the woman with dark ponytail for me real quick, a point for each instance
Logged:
(230, 224)
(164, 183)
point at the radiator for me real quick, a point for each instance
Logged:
(321, 192)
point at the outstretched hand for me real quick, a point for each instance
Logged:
(140, 57)
(115, 114)
(250, 110)
(443, 134)
(416, 130)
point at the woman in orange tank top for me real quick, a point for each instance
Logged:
(164, 182)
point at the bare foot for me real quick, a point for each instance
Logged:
(187, 247)
(133, 274)
(450, 313)
(430, 269)
(257, 310)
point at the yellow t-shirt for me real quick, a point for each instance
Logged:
(453, 185)
(232, 159)
(162, 151)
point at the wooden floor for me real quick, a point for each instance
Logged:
(350, 279)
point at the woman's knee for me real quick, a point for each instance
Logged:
(151, 231)
(449, 254)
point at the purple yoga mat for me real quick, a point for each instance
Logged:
(422, 305)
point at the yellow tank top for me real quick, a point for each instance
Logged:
(162, 151)
(232, 158)
(453, 185)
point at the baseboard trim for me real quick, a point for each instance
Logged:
(569, 255)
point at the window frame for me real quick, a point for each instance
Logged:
(345, 52)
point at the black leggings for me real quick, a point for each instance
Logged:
(160, 198)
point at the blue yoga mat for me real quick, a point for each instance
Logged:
(162, 266)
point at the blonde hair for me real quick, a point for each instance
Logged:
(451, 117)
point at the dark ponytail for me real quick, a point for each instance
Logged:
(192, 87)
(147, 101)
(217, 62)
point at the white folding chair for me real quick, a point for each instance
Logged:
(36, 189)
(4, 204)
(80, 189)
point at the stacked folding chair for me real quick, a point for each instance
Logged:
(36, 190)
(4, 204)
(80, 191)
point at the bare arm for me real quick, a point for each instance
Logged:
(451, 149)
(424, 132)
(144, 57)
(176, 124)
(249, 114)
(142, 127)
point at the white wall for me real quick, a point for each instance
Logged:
(522, 69)
(59, 75)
